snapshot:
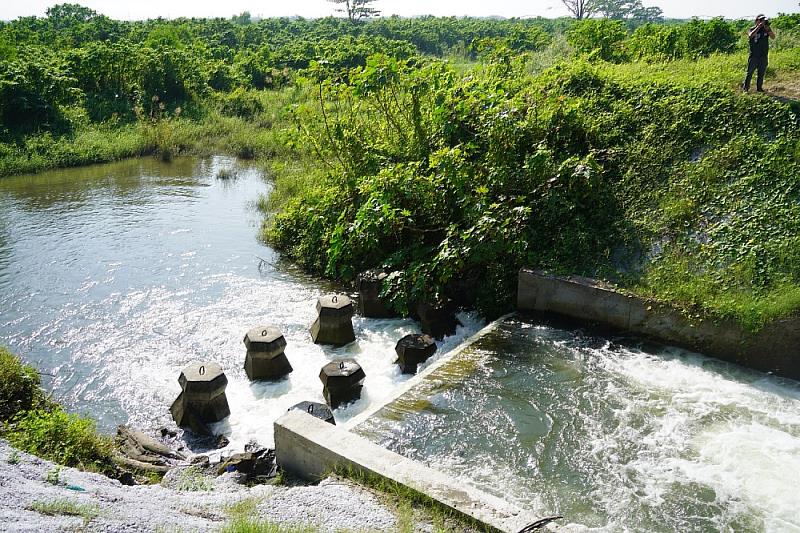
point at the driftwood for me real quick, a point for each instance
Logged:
(122, 460)
(139, 451)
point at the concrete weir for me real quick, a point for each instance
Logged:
(775, 348)
(311, 448)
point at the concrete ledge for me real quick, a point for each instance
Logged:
(775, 348)
(310, 448)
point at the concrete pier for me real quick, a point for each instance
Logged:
(413, 350)
(370, 302)
(203, 399)
(341, 382)
(334, 323)
(265, 357)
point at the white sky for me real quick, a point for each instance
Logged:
(142, 9)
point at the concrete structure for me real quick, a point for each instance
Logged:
(438, 321)
(310, 448)
(341, 382)
(334, 323)
(775, 348)
(203, 399)
(370, 302)
(318, 410)
(265, 354)
(413, 350)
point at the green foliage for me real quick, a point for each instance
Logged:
(61, 437)
(600, 37)
(453, 183)
(19, 386)
(54, 475)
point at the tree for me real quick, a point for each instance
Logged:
(357, 10)
(580, 9)
(632, 10)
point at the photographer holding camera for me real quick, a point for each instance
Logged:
(759, 35)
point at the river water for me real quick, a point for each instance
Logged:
(613, 434)
(114, 277)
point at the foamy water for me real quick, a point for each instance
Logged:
(113, 278)
(614, 436)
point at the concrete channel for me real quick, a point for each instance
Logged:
(311, 448)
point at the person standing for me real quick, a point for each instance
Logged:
(759, 36)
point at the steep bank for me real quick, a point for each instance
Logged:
(96, 503)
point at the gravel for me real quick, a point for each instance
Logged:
(331, 505)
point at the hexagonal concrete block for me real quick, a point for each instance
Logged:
(370, 302)
(412, 350)
(438, 321)
(335, 305)
(341, 374)
(196, 415)
(202, 381)
(319, 410)
(334, 323)
(267, 340)
(263, 366)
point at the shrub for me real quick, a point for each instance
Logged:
(61, 437)
(600, 37)
(19, 386)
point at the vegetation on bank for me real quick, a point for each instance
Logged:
(450, 152)
(32, 422)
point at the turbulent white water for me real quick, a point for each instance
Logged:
(614, 436)
(113, 278)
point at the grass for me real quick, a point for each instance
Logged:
(65, 507)
(407, 500)
(244, 520)
(193, 480)
(256, 525)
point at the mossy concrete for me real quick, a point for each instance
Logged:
(310, 448)
(775, 348)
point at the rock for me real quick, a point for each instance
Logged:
(141, 452)
(370, 302)
(260, 463)
(203, 400)
(439, 320)
(319, 410)
(413, 350)
(341, 382)
(334, 323)
(126, 478)
(265, 354)
(221, 442)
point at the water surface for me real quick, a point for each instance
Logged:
(114, 277)
(611, 433)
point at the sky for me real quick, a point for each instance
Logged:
(142, 9)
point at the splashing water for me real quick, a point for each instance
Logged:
(114, 277)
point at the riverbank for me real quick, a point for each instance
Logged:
(35, 499)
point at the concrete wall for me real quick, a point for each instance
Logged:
(775, 348)
(311, 448)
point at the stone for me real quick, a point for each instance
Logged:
(413, 350)
(370, 302)
(265, 357)
(341, 382)
(203, 399)
(257, 464)
(439, 320)
(318, 410)
(334, 324)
